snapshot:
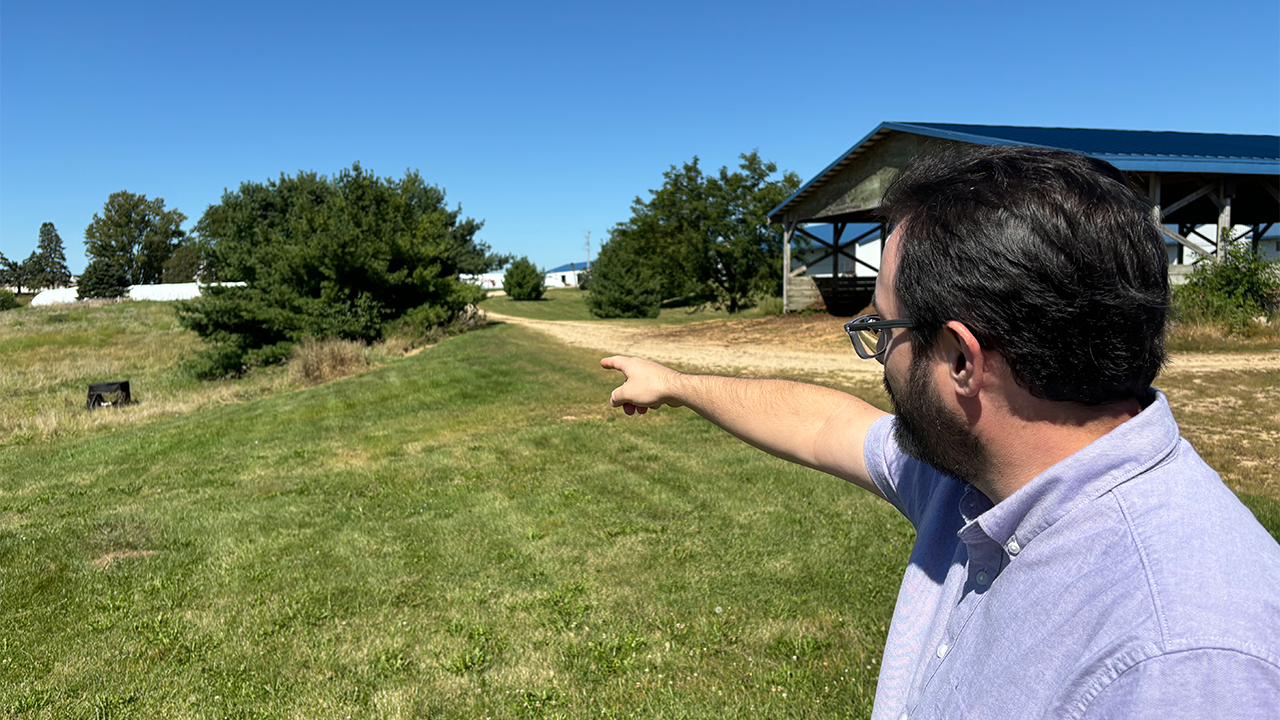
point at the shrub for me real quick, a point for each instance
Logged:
(771, 305)
(524, 281)
(621, 284)
(8, 300)
(102, 278)
(1229, 291)
(320, 361)
(342, 257)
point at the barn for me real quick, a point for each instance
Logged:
(1198, 184)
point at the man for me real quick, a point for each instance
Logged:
(1074, 556)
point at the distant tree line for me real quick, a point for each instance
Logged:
(700, 238)
(45, 267)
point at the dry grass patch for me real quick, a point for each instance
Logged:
(1232, 418)
(105, 561)
(52, 354)
(818, 332)
(320, 361)
(1206, 337)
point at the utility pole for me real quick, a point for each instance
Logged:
(588, 251)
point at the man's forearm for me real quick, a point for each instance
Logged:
(810, 425)
(806, 424)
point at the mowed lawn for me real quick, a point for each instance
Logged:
(468, 532)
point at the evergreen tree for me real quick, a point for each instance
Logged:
(622, 285)
(524, 281)
(340, 257)
(53, 271)
(102, 278)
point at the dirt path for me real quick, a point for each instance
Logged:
(811, 345)
(684, 348)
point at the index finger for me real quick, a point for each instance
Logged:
(613, 362)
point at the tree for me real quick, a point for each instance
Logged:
(27, 274)
(137, 233)
(183, 264)
(8, 270)
(524, 281)
(325, 257)
(708, 236)
(621, 283)
(19, 274)
(52, 271)
(102, 278)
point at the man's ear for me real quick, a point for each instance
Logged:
(965, 358)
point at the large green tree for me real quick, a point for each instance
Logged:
(329, 257)
(708, 235)
(52, 271)
(137, 233)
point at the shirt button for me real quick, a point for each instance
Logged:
(983, 578)
(903, 716)
(1013, 547)
(942, 650)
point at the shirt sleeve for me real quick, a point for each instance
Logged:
(1202, 683)
(915, 488)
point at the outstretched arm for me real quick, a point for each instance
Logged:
(810, 425)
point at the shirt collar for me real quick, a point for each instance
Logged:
(1122, 454)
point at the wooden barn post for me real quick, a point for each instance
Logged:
(788, 232)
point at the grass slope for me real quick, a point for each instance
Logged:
(467, 532)
(52, 354)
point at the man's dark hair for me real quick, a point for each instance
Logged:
(1046, 256)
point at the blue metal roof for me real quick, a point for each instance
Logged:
(1138, 150)
(568, 267)
(1132, 150)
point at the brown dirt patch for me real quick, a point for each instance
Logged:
(106, 561)
(811, 344)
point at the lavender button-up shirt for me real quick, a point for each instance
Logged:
(1124, 582)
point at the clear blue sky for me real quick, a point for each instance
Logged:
(546, 119)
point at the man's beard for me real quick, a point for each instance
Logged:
(927, 431)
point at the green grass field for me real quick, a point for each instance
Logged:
(466, 532)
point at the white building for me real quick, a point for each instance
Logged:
(558, 277)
